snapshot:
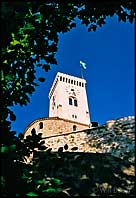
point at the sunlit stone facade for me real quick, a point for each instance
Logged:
(68, 109)
(68, 99)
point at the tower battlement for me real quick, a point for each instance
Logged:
(66, 78)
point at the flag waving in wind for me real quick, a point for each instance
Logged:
(83, 64)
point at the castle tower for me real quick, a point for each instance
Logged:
(68, 99)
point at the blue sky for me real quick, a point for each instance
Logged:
(109, 57)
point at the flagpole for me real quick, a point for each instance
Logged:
(81, 72)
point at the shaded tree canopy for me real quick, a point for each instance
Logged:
(29, 39)
(30, 33)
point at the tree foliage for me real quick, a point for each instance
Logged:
(30, 34)
(29, 39)
(20, 173)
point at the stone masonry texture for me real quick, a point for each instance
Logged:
(116, 136)
(117, 139)
(90, 161)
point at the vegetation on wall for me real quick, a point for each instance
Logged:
(30, 34)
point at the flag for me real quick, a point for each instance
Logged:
(83, 64)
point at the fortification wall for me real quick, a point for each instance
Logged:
(96, 161)
(116, 137)
(54, 126)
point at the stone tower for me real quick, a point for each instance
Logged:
(68, 99)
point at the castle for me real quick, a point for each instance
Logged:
(68, 110)
(95, 157)
(69, 123)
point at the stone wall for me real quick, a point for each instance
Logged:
(54, 126)
(116, 137)
(92, 162)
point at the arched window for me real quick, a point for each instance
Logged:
(41, 125)
(75, 102)
(74, 127)
(70, 101)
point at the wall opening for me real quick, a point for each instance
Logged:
(70, 101)
(75, 102)
(74, 128)
(41, 125)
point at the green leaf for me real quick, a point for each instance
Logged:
(40, 181)
(46, 67)
(41, 79)
(5, 61)
(9, 50)
(12, 147)
(56, 181)
(2, 179)
(72, 25)
(74, 148)
(66, 147)
(21, 136)
(50, 190)
(4, 149)
(130, 19)
(12, 116)
(94, 28)
(9, 77)
(33, 132)
(60, 149)
(31, 194)
(14, 42)
(39, 65)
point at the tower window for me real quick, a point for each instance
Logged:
(71, 81)
(75, 102)
(70, 101)
(74, 116)
(60, 78)
(63, 79)
(41, 125)
(74, 127)
(80, 84)
(74, 82)
(68, 80)
(77, 83)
